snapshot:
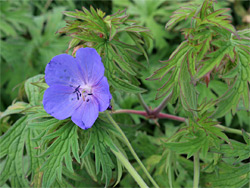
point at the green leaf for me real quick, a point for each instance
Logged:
(187, 91)
(189, 147)
(208, 125)
(124, 85)
(12, 145)
(215, 18)
(229, 176)
(88, 148)
(246, 137)
(15, 108)
(118, 59)
(240, 87)
(41, 125)
(234, 153)
(113, 32)
(34, 150)
(181, 14)
(176, 61)
(40, 85)
(215, 59)
(62, 146)
(100, 143)
(89, 164)
(175, 57)
(33, 92)
(103, 159)
(7, 29)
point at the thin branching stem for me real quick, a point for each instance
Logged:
(131, 149)
(196, 170)
(143, 113)
(158, 109)
(145, 106)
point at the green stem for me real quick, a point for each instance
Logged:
(196, 170)
(170, 174)
(129, 167)
(145, 106)
(131, 149)
(230, 130)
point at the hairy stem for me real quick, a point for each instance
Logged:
(196, 170)
(143, 113)
(131, 149)
(145, 106)
(129, 167)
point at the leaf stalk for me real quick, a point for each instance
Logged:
(196, 170)
(230, 130)
(129, 167)
(131, 149)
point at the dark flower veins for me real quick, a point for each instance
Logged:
(77, 87)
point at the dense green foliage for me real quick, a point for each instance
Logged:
(205, 78)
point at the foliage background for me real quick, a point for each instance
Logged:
(29, 40)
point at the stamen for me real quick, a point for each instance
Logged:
(82, 93)
(77, 89)
(78, 93)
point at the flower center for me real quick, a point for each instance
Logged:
(84, 92)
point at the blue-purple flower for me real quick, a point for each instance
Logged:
(77, 87)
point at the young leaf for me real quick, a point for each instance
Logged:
(215, 59)
(175, 62)
(181, 14)
(239, 89)
(96, 31)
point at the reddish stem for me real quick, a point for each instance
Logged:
(151, 116)
(168, 116)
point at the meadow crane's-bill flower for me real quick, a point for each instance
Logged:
(77, 87)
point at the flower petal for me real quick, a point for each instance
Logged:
(63, 70)
(102, 94)
(90, 65)
(86, 115)
(60, 101)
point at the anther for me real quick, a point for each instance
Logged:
(77, 89)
